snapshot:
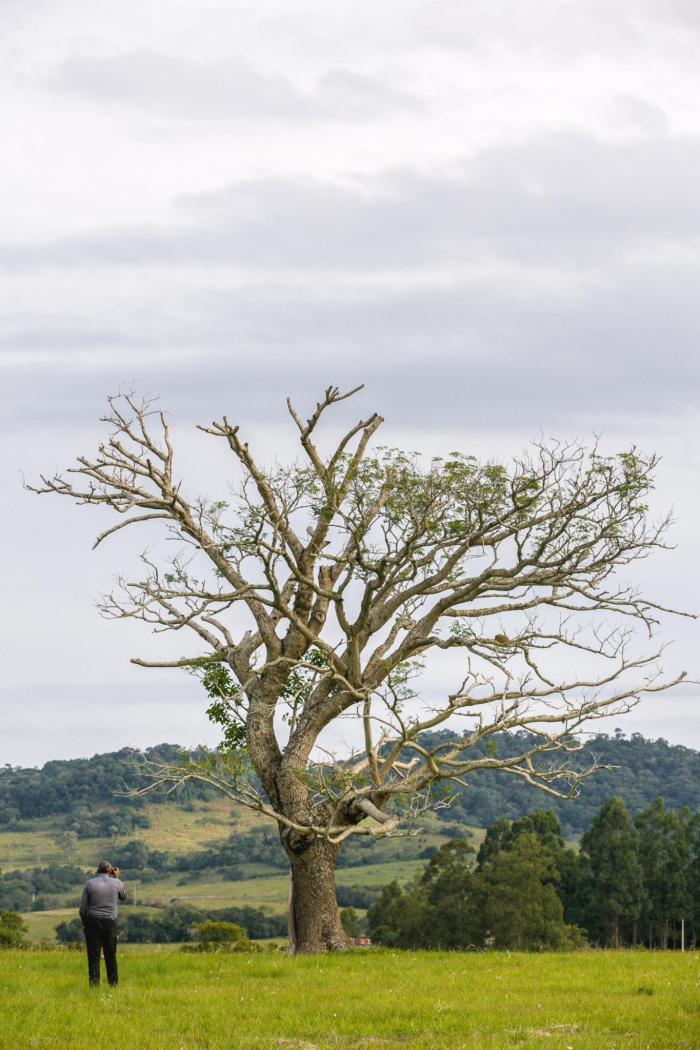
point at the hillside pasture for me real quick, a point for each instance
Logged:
(173, 828)
(374, 1000)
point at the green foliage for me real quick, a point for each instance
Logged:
(220, 933)
(70, 932)
(509, 902)
(667, 874)
(221, 936)
(225, 707)
(521, 908)
(13, 930)
(93, 791)
(351, 922)
(613, 874)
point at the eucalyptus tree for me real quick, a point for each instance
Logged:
(610, 853)
(329, 589)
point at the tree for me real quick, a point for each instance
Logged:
(321, 590)
(664, 854)
(399, 919)
(694, 876)
(351, 922)
(454, 898)
(521, 908)
(223, 934)
(13, 930)
(69, 932)
(616, 895)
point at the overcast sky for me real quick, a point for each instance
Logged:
(488, 212)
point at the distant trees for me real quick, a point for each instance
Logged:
(508, 901)
(351, 922)
(643, 770)
(631, 882)
(69, 932)
(30, 890)
(638, 771)
(664, 841)
(80, 787)
(179, 922)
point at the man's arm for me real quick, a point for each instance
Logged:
(121, 889)
(84, 901)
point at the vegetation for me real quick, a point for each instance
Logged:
(352, 569)
(77, 788)
(221, 936)
(362, 1001)
(632, 881)
(640, 770)
(13, 930)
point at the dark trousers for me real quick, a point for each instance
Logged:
(101, 936)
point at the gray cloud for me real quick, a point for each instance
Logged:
(430, 356)
(176, 88)
(554, 278)
(565, 201)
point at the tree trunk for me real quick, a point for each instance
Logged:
(314, 917)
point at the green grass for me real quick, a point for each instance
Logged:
(174, 829)
(372, 1000)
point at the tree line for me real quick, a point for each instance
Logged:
(633, 882)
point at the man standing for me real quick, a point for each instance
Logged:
(98, 910)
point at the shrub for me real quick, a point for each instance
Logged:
(13, 930)
(221, 936)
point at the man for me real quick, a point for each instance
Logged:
(98, 910)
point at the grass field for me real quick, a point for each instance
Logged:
(371, 1000)
(174, 829)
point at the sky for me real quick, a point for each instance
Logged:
(486, 212)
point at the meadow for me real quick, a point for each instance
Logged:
(374, 1000)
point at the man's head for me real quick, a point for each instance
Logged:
(104, 867)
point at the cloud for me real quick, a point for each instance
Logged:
(551, 280)
(564, 201)
(172, 87)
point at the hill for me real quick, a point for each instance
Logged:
(89, 794)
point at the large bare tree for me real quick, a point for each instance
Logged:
(322, 590)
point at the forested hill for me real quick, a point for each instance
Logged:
(645, 770)
(81, 784)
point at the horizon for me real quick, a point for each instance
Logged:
(615, 734)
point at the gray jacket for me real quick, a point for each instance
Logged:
(100, 896)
